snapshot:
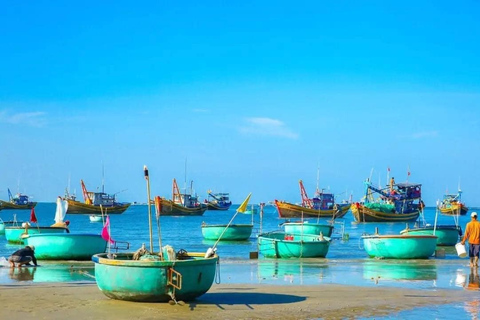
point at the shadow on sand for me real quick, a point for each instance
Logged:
(245, 298)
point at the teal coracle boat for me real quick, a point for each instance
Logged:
(282, 245)
(306, 227)
(447, 235)
(186, 277)
(66, 246)
(233, 232)
(149, 276)
(400, 246)
(14, 234)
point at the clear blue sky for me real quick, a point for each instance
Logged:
(254, 94)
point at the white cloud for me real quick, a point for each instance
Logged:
(267, 127)
(33, 119)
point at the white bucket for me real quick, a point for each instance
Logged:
(462, 253)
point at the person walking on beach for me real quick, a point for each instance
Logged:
(472, 234)
(23, 257)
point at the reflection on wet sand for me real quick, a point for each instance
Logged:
(399, 271)
(49, 273)
(291, 271)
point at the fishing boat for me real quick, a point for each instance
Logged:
(182, 204)
(399, 202)
(278, 244)
(403, 246)
(307, 227)
(149, 276)
(322, 205)
(218, 201)
(95, 218)
(447, 235)
(452, 205)
(66, 246)
(19, 202)
(229, 231)
(17, 233)
(95, 203)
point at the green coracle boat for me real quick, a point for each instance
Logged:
(148, 276)
(306, 227)
(400, 246)
(66, 246)
(233, 232)
(14, 234)
(447, 235)
(282, 245)
(186, 277)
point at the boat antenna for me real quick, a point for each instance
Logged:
(103, 178)
(145, 173)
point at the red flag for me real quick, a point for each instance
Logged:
(105, 233)
(33, 217)
(388, 169)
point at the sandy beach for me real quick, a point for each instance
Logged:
(85, 301)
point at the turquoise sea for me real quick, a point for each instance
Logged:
(346, 262)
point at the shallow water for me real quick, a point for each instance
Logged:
(346, 262)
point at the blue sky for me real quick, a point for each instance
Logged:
(252, 96)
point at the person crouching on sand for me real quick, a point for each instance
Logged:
(472, 234)
(23, 257)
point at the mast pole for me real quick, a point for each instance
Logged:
(145, 172)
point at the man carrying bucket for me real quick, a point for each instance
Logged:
(472, 234)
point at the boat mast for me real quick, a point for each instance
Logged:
(145, 173)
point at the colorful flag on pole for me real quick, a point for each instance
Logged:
(243, 206)
(106, 232)
(33, 217)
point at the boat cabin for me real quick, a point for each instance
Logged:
(101, 198)
(323, 201)
(20, 199)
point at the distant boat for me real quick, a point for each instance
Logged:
(218, 201)
(162, 276)
(322, 205)
(95, 218)
(19, 202)
(182, 204)
(452, 205)
(398, 203)
(229, 232)
(400, 246)
(95, 203)
(16, 233)
(278, 244)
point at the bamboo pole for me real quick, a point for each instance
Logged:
(145, 172)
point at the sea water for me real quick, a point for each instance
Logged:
(346, 262)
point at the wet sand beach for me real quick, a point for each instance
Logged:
(76, 301)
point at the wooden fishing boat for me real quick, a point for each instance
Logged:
(233, 232)
(18, 202)
(148, 276)
(322, 205)
(306, 227)
(447, 235)
(398, 203)
(182, 204)
(400, 246)
(95, 203)
(218, 201)
(452, 205)
(66, 246)
(278, 244)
